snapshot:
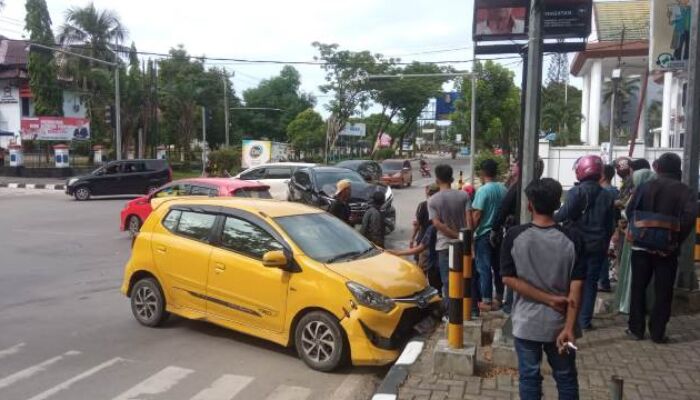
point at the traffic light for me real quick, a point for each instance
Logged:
(110, 117)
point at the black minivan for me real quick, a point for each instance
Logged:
(121, 177)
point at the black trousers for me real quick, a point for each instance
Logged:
(663, 269)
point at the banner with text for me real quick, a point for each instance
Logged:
(55, 128)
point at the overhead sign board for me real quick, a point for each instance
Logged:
(670, 35)
(356, 130)
(496, 20)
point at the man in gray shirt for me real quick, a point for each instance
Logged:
(541, 262)
(447, 209)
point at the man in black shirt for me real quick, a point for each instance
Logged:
(340, 207)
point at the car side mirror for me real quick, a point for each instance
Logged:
(275, 259)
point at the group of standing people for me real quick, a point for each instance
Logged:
(547, 273)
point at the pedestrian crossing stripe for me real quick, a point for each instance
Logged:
(34, 369)
(159, 383)
(11, 350)
(67, 384)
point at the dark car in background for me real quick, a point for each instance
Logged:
(370, 170)
(120, 178)
(316, 186)
(397, 173)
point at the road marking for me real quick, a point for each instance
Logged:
(224, 388)
(156, 384)
(33, 370)
(12, 186)
(11, 350)
(66, 384)
(30, 186)
(351, 388)
(284, 392)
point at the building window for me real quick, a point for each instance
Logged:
(25, 107)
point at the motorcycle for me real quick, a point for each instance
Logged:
(425, 169)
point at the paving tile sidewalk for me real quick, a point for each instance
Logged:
(650, 371)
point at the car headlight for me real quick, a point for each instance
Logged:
(369, 298)
(72, 181)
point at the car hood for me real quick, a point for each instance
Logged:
(359, 191)
(384, 273)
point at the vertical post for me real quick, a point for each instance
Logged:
(117, 110)
(465, 236)
(226, 110)
(532, 97)
(328, 128)
(455, 329)
(204, 140)
(472, 142)
(140, 150)
(691, 149)
(612, 120)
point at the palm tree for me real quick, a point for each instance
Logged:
(98, 34)
(625, 90)
(561, 117)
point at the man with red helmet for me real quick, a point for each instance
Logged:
(589, 210)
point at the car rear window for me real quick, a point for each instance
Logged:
(392, 165)
(253, 193)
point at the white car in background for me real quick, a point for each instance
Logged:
(275, 175)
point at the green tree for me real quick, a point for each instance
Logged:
(345, 78)
(625, 90)
(132, 98)
(41, 66)
(281, 92)
(558, 70)
(561, 112)
(307, 131)
(497, 107)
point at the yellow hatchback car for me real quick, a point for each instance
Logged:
(280, 271)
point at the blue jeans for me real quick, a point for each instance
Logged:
(593, 264)
(443, 262)
(483, 249)
(563, 369)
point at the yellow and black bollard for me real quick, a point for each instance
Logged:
(455, 330)
(465, 236)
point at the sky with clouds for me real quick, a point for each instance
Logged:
(284, 30)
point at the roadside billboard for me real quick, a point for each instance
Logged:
(670, 34)
(445, 105)
(508, 19)
(357, 130)
(55, 128)
(255, 152)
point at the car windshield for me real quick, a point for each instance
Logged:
(325, 238)
(330, 178)
(253, 193)
(392, 165)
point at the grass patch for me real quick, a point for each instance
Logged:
(186, 174)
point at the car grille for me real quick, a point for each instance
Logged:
(404, 329)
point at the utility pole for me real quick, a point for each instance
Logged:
(532, 99)
(226, 110)
(117, 108)
(204, 140)
(687, 278)
(472, 140)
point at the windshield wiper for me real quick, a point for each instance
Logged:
(344, 255)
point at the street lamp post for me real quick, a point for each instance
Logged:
(118, 123)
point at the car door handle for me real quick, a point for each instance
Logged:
(161, 249)
(219, 267)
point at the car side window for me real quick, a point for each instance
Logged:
(112, 169)
(173, 190)
(302, 178)
(278, 173)
(170, 221)
(253, 175)
(195, 225)
(130, 167)
(196, 190)
(246, 238)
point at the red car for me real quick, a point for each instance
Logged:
(136, 211)
(397, 173)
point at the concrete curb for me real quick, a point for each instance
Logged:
(45, 186)
(389, 388)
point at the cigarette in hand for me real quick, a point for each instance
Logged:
(570, 345)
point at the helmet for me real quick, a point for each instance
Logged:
(588, 167)
(469, 189)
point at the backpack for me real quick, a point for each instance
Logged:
(653, 231)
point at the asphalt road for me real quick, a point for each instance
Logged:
(67, 333)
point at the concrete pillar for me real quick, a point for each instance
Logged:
(666, 110)
(585, 107)
(596, 91)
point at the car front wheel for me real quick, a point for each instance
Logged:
(148, 303)
(82, 193)
(320, 342)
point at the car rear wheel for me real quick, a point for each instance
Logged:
(133, 224)
(320, 342)
(82, 193)
(148, 303)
